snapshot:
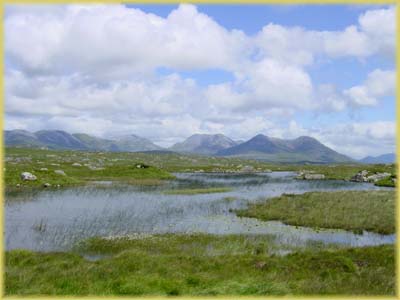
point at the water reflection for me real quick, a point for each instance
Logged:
(56, 219)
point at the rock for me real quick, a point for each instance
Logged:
(18, 185)
(142, 166)
(314, 176)
(377, 176)
(260, 264)
(302, 174)
(28, 176)
(360, 176)
(247, 169)
(76, 165)
(363, 176)
(46, 185)
(54, 164)
(44, 169)
(60, 172)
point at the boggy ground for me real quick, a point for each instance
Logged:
(205, 264)
(119, 166)
(349, 210)
(200, 265)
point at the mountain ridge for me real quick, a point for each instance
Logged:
(207, 144)
(61, 140)
(387, 158)
(304, 149)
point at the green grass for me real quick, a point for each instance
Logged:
(386, 182)
(107, 169)
(200, 265)
(199, 191)
(350, 210)
(119, 166)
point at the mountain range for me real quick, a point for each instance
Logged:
(58, 139)
(208, 144)
(388, 158)
(303, 149)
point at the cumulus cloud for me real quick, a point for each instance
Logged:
(119, 40)
(379, 83)
(96, 69)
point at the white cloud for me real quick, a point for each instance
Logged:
(119, 41)
(94, 69)
(378, 84)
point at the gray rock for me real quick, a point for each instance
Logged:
(60, 172)
(247, 169)
(314, 176)
(46, 185)
(377, 176)
(28, 176)
(360, 176)
(44, 169)
(76, 165)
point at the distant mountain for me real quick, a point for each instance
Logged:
(96, 143)
(206, 144)
(300, 150)
(21, 137)
(134, 143)
(388, 158)
(57, 139)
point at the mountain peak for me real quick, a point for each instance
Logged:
(204, 144)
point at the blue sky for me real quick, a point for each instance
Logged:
(168, 71)
(345, 72)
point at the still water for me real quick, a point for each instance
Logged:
(56, 219)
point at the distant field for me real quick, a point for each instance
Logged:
(121, 166)
(350, 210)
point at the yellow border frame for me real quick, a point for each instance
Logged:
(285, 2)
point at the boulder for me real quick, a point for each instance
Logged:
(377, 176)
(60, 172)
(360, 176)
(28, 176)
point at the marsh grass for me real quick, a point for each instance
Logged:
(349, 210)
(199, 265)
(199, 191)
(121, 166)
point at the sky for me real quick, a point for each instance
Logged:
(165, 72)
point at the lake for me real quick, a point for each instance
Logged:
(50, 220)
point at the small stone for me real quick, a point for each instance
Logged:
(261, 264)
(18, 185)
(44, 169)
(46, 185)
(60, 172)
(28, 176)
(76, 165)
(314, 176)
(247, 169)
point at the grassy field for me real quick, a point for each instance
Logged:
(199, 265)
(350, 210)
(119, 166)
